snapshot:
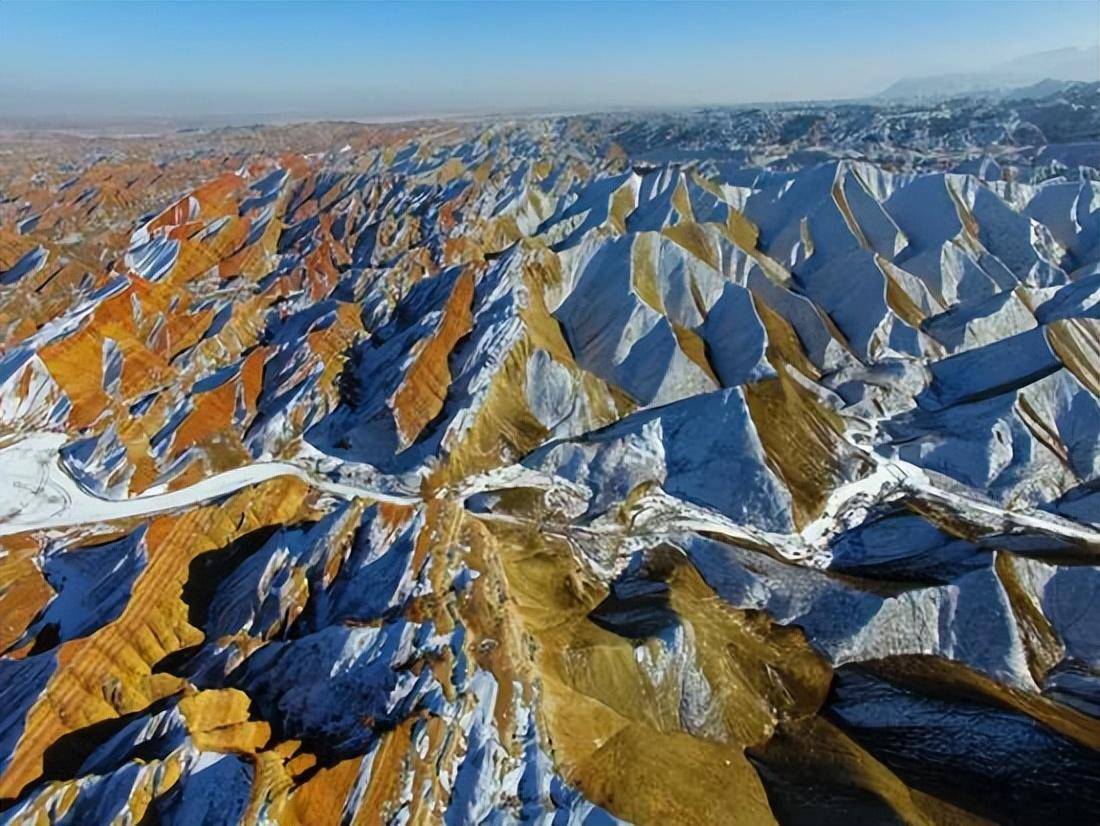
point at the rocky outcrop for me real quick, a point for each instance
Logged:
(564, 470)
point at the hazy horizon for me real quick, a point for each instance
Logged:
(225, 61)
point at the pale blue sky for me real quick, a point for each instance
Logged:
(363, 59)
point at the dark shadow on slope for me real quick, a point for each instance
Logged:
(965, 748)
(64, 757)
(638, 606)
(207, 571)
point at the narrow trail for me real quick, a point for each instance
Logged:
(36, 493)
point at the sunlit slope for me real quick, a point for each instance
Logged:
(654, 469)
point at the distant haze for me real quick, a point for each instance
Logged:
(230, 62)
(1081, 64)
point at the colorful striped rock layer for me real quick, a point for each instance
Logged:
(714, 467)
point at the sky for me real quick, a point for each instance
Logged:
(378, 59)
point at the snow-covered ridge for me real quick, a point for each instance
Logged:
(736, 465)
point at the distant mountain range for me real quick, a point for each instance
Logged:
(1068, 64)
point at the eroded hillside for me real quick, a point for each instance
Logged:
(717, 467)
